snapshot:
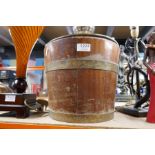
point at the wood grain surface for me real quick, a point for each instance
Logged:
(24, 38)
(82, 91)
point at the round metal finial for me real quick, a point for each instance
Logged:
(83, 29)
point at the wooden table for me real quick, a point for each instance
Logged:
(43, 121)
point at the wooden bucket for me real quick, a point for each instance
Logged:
(81, 75)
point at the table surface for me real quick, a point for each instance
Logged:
(45, 122)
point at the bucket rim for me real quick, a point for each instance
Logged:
(89, 35)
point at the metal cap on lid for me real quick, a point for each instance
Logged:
(83, 29)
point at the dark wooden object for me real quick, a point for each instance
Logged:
(82, 84)
(17, 105)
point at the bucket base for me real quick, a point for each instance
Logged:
(81, 118)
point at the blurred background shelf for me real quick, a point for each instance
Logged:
(29, 68)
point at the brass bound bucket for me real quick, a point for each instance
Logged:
(81, 75)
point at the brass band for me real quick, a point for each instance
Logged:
(77, 63)
(79, 118)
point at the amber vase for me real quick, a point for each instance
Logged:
(24, 38)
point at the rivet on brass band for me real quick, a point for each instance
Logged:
(82, 64)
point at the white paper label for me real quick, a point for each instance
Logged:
(10, 98)
(83, 47)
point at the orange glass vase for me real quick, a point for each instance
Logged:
(24, 38)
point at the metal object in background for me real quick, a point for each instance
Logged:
(5, 89)
(83, 29)
(122, 83)
(138, 87)
(7, 77)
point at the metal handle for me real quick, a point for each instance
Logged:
(33, 105)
